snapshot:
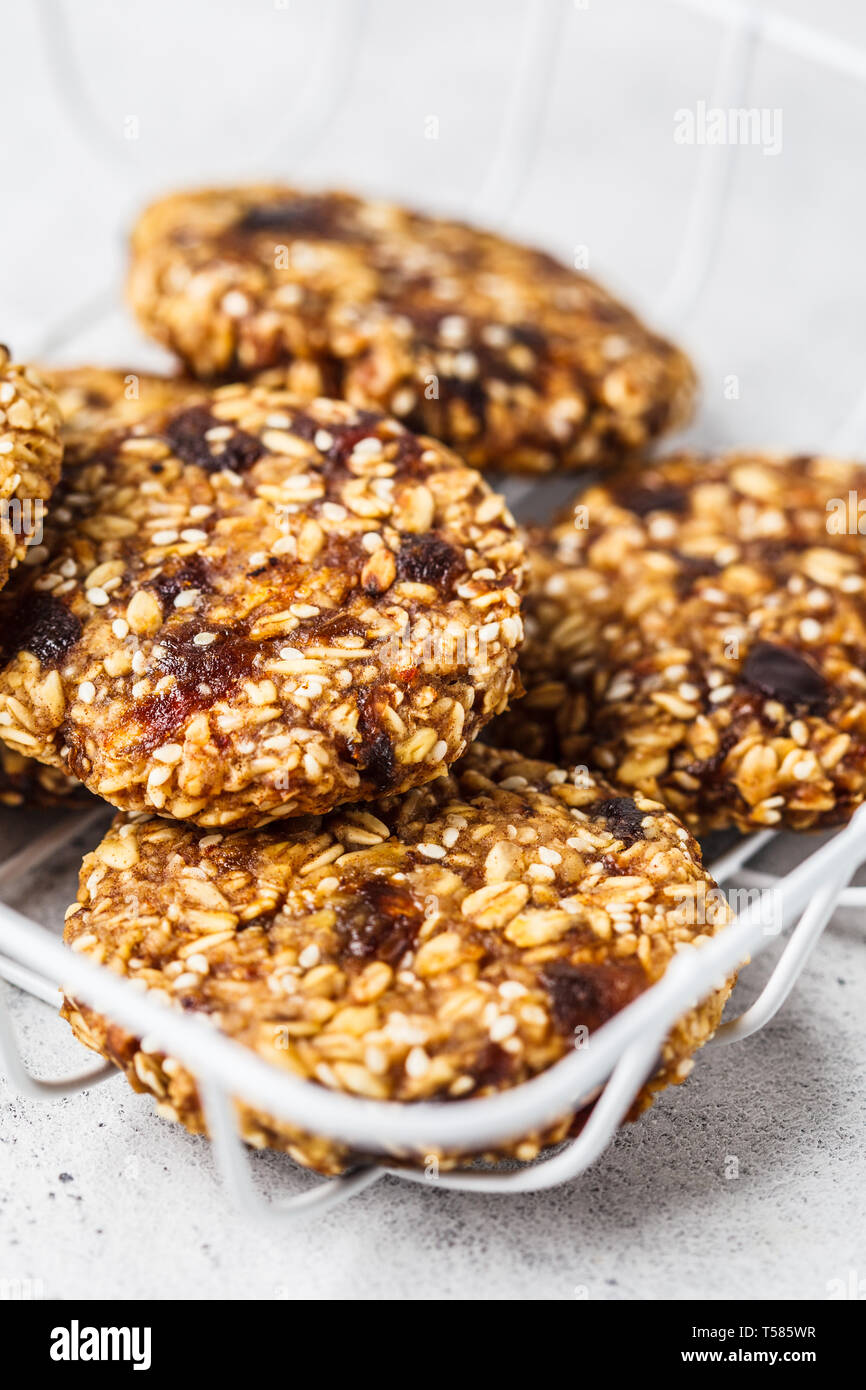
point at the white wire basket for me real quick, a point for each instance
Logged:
(622, 1054)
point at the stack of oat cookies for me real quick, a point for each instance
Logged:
(275, 602)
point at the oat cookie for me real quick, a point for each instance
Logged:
(92, 400)
(30, 455)
(96, 400)
(250, 609)
(451, 942)
(516, 360)
(700, 634)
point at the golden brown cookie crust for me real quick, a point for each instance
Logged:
(30, 457)
(698, 630)
(92, 401)
(96, 400)
(451, 942)
(252, 609)
(518, 362)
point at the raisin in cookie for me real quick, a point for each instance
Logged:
(451, 942)
(698, 631)
(92, 401)
(251, 609)
(30, 457)
(499, 350)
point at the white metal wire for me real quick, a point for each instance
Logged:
(612, 1068)
(618, 1057)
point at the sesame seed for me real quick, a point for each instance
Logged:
(452, 330)
(431, 851)
(164, 537)
(120, 628)
(502, 1028)
(87, 692)
(375, 1060)
(193, 535)
(334, 511)
(98, 597)
(549, 856)
(541, 873)
(323, 441)
(169, 753)
(817, 598)
(204, 639)
(235, 304)
(309, 957)
(417, 1063)
(368, 448)
(188, 598)
(495, 335)
(403, 400)
(466, 366)
(185, 981)
(512, 989)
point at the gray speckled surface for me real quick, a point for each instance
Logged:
(101, 1197)
(98, 1196)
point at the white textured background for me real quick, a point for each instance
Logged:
(98, 1197)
